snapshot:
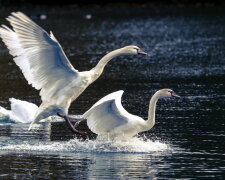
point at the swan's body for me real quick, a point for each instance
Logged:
(46, 67)
(21, 111)
(108, 116)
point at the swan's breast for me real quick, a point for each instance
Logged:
(129, 129)
(79, 85)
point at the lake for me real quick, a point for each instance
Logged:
(186, 47)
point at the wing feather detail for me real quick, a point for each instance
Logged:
(106, 114)
(39, 56)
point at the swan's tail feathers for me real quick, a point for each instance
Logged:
(39, 116)
(45, 113)
(36, 120)
(31, 126)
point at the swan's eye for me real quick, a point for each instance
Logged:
(170, 92)
(137, 49)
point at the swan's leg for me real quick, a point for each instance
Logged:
(71, 126)
(72, 119)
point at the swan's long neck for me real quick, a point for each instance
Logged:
(151, 112)
(98, 69)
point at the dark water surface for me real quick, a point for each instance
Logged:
(186, 53)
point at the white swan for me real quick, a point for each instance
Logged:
(46, 67)
(21, 111)
(107, 116)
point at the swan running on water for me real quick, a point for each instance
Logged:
(46, 67)
(108, 117)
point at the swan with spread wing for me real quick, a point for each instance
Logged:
(46, 67)
(107, 116)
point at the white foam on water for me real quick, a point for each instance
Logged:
(75, 145)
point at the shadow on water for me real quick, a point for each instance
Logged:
(186, 53)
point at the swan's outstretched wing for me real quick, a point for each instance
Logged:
(39, 56)
(107, 114)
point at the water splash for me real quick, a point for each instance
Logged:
(93, 146)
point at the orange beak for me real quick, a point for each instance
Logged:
(142, 52)
(175, 95)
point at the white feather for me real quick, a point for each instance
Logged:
(108, 117)
(39, 56)
(108, 114)
(21, 111)
(24, 111)
(45, 65)
(9, 37)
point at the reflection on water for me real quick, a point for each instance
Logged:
(83, 166)
(186, 53)
(78, 158)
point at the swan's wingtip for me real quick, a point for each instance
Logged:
(16, 12)
(12, 99)
(114, 95)
(119, 92)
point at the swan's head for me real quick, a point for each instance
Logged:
(133, 50)
(167, 93)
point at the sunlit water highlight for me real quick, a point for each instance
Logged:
(133, 145)
(186, 53)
